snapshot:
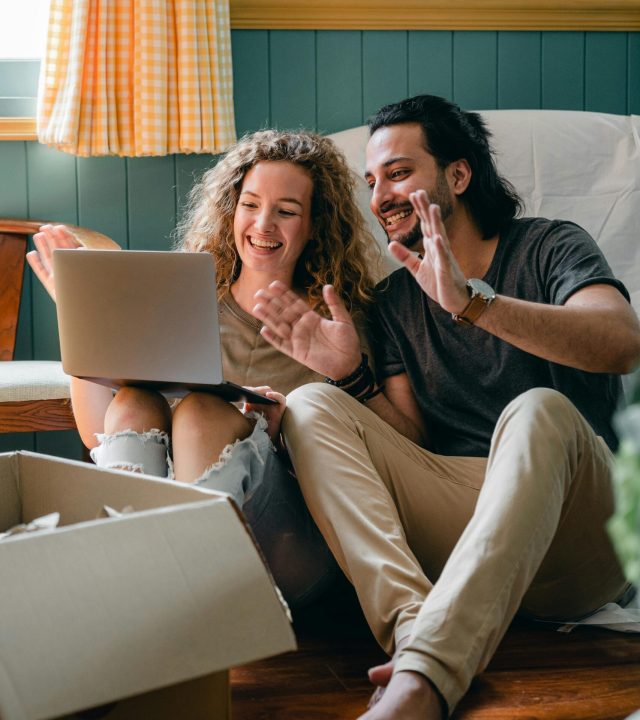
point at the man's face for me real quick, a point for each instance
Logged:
(397, 165)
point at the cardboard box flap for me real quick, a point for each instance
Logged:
(104, 610)
(10, 505)
(78, 491)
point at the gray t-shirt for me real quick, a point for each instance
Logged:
(463, 377)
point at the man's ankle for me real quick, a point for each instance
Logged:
(421, 687)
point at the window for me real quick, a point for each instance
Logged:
(23, 29)
(23, 35)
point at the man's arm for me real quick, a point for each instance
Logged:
(595, 330)
(397, 406)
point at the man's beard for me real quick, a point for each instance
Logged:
(439, 195)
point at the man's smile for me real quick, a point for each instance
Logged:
(396, 217)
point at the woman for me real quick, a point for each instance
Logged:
(278, 206)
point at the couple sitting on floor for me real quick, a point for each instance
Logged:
(450, 429)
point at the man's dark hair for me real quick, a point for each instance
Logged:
(453, 134)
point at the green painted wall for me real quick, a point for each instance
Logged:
(324, 80)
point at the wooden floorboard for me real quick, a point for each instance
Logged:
(536, 674)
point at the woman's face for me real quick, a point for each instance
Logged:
(272, 222)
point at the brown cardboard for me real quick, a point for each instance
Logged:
(100, 610)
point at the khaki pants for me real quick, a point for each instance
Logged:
(523, 529)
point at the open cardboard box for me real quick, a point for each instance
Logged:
(149, 609)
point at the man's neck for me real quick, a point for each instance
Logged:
(473, 253)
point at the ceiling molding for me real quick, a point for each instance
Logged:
(618, 15)
(18, 128)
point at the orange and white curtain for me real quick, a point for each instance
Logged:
(137, 77)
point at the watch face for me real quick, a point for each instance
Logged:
(480, 287)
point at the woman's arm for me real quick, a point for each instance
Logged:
(88, 400)
(332, 348)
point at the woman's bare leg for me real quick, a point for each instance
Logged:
(136, 424)
(203, 425)
(138, 410)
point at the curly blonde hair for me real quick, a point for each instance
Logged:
(341, 251)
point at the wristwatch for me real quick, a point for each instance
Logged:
(481, 296)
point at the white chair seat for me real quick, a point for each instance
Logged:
(25, 380)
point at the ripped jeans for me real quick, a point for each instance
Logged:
(258, 480)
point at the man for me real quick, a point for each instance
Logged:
(477, 482)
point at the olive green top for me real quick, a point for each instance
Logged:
(248, 359)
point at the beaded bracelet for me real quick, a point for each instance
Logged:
(355, 375)
(361, 384)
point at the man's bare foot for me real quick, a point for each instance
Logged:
(408, 696)
(380, 675)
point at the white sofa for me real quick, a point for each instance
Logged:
(577, 166)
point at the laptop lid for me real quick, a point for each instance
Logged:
(144, 318)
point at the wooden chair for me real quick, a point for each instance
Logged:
(34, 395)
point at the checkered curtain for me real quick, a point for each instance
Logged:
(137, 77)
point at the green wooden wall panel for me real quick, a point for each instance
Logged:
(339, 82)
(430, 63)
(17, 441)
(634, 74)
(52, 195)
(606, 72)
(385, 71)
(52, 188)
(292, 55)
(563, 70)
(151, 196)
(102, 196)
(61, 443)
(250, 49)
(13, 179)
(44, 324)
(519, 70)
(475, 62)
(189, 169)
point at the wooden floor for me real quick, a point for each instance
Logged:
(537, 674)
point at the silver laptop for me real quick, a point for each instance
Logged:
(142, 318)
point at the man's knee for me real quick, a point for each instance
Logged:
(314, 393)
(542, 397)
(315, 404)
(542, 407)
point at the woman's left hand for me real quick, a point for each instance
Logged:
(272, 413)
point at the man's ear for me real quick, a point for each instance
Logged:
(459, 175)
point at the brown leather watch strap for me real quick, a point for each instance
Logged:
(475, 307)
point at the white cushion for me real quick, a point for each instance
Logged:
(22, 380)
(569, 165)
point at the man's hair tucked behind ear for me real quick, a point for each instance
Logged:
(452, 134)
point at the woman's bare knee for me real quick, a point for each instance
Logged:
(203, 425)
(206, 415)
(138, 410)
